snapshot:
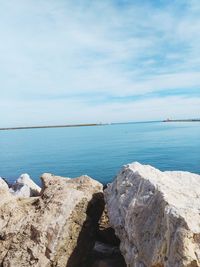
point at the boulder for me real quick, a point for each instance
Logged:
(25, 187)
(3, 185)
(4, 193)
(56, 228)
(156, 215)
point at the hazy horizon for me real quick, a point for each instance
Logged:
(74, 62)
(29, 126)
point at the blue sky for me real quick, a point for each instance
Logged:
(98, 61)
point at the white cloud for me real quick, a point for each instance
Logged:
(53, 49)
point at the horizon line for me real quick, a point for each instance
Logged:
(91, 124)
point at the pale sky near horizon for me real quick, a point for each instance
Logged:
(98, 61)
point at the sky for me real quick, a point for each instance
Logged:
(65, 61)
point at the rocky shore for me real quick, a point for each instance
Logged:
(145, 218)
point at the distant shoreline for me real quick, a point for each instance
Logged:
(188, 120)
(89, 124)
(50, 126)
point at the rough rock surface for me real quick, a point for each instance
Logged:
(156, 215)
(55, 229)
(3, 185)
(25, 187)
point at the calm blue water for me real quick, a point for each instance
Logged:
(99, 151)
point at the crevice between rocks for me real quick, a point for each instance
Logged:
(105, 251)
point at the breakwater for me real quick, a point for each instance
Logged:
(187, 120)
(49, 126)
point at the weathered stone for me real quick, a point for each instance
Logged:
(3, 185)
(25, 187)
(156, 215)
(56, 228)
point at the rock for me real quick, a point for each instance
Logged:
(4, 192)
(156, 215)
(4, 181)
(3, 185)
(25, 187)
(105, 249)
(56, 228)
(20, 190)
(106, 255)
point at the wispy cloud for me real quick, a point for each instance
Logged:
(98, 53)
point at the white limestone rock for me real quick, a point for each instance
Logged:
(25, 187)
(3, 184)
(4, 191)
(156, 215)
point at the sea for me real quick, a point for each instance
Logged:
(99, 151)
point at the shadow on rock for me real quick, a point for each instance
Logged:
(86, 238)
